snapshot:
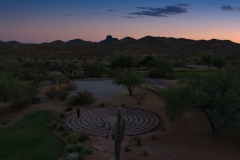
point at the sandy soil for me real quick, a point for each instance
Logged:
(187, 139)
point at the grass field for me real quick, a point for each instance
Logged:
(30, 139)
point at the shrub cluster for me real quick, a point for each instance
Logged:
(82, 97)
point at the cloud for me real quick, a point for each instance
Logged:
(161, 12)
(183, 4)
(229, 8)
(130, 17)
(111, 10)
(68, 15)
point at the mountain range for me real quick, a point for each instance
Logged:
(179, 47)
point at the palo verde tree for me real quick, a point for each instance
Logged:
(217, 96)
(207, 59)
(128, 79)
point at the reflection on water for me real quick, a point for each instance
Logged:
(103, 90)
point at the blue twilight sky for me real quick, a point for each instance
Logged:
(36, 21)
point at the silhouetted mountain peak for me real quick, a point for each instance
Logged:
(109, 39)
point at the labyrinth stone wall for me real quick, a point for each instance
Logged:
(99, 121)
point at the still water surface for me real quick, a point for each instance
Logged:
(103, 90)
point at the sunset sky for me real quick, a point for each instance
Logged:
(37, 21)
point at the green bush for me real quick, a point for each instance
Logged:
(72, 156)
(97, 70)
(79, 147)
(68, 109)
(65, 134)
(127, 149)
(5, 120)
(73, 138)
(16, 92)
(162, 70)
(83, 137)
(60, 128)
(88, 151)
(82, 98)
(70, 148)
(138, 141)
(62, 115)
(60, 91)
(54, 125)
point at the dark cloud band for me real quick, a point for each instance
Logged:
(229, 8)
(161, 12)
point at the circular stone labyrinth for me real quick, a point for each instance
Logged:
(99, 121)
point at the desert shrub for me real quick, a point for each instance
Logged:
(5, 109)
(54, 125)
(123, 62)
(79, 147)
(219, 62)
(72, 156)
(65, 134)
(60, 128)
(68, 109)
(60, 91)
(5, 120)
(51, 92)
(127, 149)
(70, 148)
(83, 137)
(88, 151)
(101, 105)
(73, 138)
(162, 70)
(138, 141)
(16, 92)
(57, 119)
(62, 115)
(97, 70)
(82, 97)
(58, 78)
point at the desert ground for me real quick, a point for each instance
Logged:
(189, 138)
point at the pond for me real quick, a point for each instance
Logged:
(103, 90)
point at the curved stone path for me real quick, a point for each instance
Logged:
(100, 121)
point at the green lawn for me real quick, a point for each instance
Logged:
(30, 139)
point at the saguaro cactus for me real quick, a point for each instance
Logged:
(118, 135)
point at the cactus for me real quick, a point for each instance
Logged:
(118, 135)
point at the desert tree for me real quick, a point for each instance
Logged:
(207, 59)
(217, 96)
(129, 79)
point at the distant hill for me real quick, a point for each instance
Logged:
(78, 41)
(128, 39)
(57, 42)
(13, 42)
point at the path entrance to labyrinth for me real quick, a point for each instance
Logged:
(99, 121)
